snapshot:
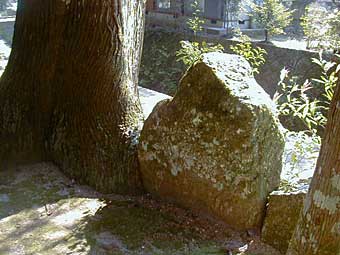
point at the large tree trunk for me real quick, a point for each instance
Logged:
(69, 92)
(318, 230)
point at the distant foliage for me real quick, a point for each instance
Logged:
(271, 15)
(322, 28)
(195, 22)
(3, 4)
(255, 56)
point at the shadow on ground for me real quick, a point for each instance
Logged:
(43, 212)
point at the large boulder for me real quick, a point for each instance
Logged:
(216, 147)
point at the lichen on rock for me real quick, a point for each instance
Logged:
(216, 146)
(283, 212)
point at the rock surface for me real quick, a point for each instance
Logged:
(282, 215)
(284, 205)
(217, 146)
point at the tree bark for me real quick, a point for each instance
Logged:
(69, 91)
(318, 230)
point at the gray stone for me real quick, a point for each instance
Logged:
(108, 241)
(216, 147)
(4, 198)
(284, 205)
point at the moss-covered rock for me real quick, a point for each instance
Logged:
(217, 146)
(281, 218)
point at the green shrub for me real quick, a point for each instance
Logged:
(292, 100)
(255, 56)
(191, 52)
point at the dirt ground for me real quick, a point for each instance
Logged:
(44, 212)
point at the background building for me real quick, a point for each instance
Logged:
(174, 13)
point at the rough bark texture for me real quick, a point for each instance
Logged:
(318, 230)
(69, 92)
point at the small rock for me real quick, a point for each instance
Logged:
(63, 192)
(4, 198)
(234, 245)
(282, 215)
(108, 241)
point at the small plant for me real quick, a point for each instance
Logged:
(191, 52)
(255, 56)
(195, 22)
(328, 79)
(292, 98)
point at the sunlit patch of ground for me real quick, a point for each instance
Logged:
(44, 212)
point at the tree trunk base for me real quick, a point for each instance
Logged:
(69, 93)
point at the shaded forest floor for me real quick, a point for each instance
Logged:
(44, 212)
